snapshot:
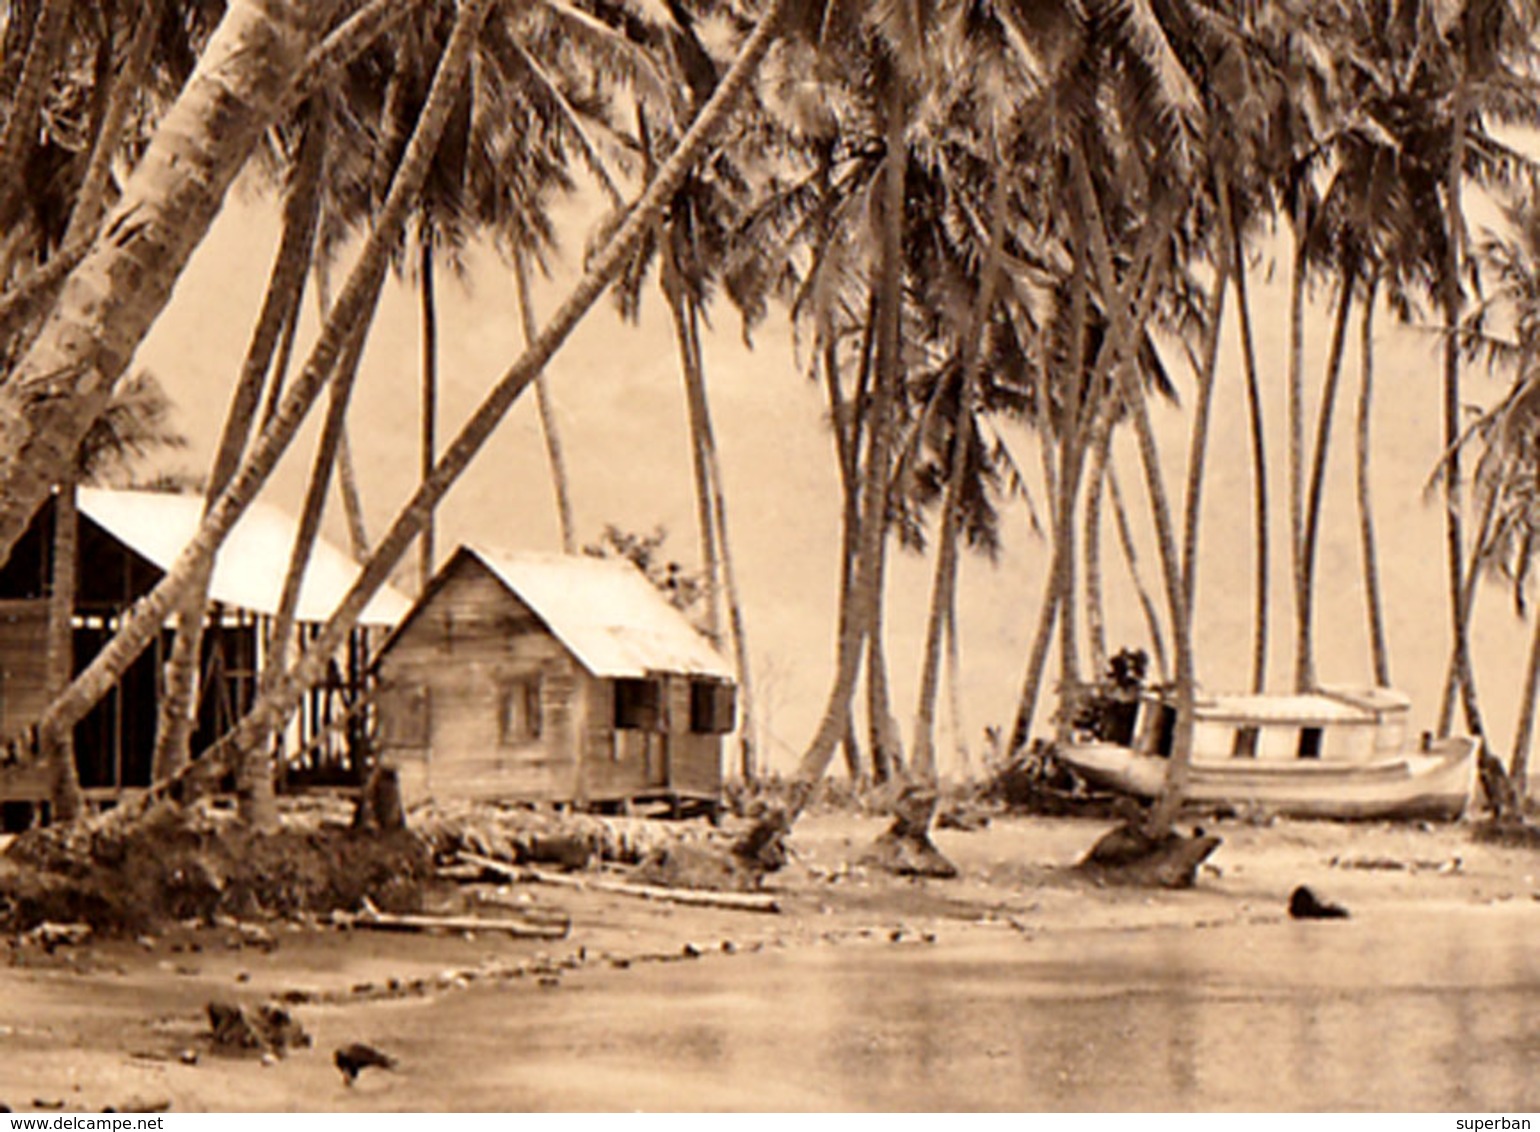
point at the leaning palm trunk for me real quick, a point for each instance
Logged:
(1305, 678)
(1124, 332)
(347, 472)
(178, 709)
(1454, 486)
(58, 743)
(1524, 730)
(254, 772)
(690, 364)
(730, 594)
(428, 442)
(64, 380)
(26, 101)
(353, 307)
(86, 213)
(1136, 575)
(1095, 603)
(1486, 518)
(274, 705)
(1197, 449)
(1261, 539)
(543, 401)
(1373, 604)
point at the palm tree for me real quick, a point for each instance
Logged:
(275, 704)
(134, 425)
(258, 54)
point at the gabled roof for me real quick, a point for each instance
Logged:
(604, 610)
(251, 565)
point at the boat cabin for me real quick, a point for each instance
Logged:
(552, 678)
(1332, 725)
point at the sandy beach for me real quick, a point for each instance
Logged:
(1019, 985)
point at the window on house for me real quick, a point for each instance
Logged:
(1309, 742)
(519, 712)
(713, 707)
(406, 714)
(637, 705)
(1246, 743)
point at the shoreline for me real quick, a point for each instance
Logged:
(105, 1024)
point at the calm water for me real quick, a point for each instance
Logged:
(1433, 1011)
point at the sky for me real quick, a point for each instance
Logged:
(621, 410)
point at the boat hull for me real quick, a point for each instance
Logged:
(1436, 785)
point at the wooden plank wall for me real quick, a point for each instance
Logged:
(465, 646)
(23, 648)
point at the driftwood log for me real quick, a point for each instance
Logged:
(372, 917)
(738, 901)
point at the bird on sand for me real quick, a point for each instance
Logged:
(353, 1059)
(1306, 905)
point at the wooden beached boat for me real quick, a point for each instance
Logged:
(1335, 753)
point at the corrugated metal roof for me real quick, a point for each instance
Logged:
(607, 612)
(251, 565)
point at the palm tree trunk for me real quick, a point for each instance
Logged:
(177, 712)
(1296, 422)
(887, 745)
(64, 380)
(1136, 575)
(90, 201)
(1454, 480)
(694, 385)
(1523, 732)
(864, 592)
(549, 429)
(1124, 335)
(428, 444)
(254, 770)
(26, 101)
(1095, 606)
(944, 589)
(954, 688)
(1197, 449)
(58, 743)
(1261, 537)
(347, 472)
(353, 307)
(1485, 519)
(735, 623)
(275, 704)
(1379, 652)
(1305, 678)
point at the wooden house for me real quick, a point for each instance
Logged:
(126, 541)
(552, 678)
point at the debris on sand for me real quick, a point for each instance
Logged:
(1131, 855)
(526, 836)
(1304, 904)
(353, 1059)
(124, 875)
(905, 847)
(269, 1029)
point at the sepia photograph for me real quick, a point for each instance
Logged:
(765, 556)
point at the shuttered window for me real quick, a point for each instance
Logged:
(637, 705)
(713, 707)
(519, 712)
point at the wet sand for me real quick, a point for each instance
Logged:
(1018, 986)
